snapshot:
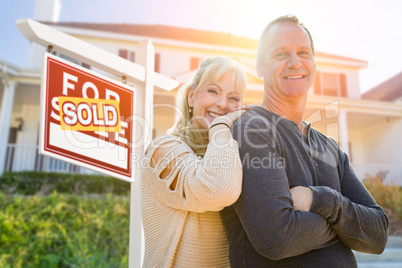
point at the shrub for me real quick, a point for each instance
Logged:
(63, 230)
(34, 182)
(386, 195)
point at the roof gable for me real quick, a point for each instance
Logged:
(390, 90)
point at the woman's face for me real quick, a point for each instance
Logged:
(213, 100)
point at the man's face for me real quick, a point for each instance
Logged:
(289, 68)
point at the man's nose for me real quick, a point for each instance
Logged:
(294, 61)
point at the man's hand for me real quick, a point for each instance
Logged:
(302, 198)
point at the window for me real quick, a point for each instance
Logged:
(65, 57)
(330, 84)
(194, 63)
(127, 54)
(130, 55)
(123, 53)
(157, 62)
(12, 137)
(85, 65)
(61, 55)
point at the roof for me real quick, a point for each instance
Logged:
(390, 90)
(167, 32)
(332, 56)
(182, 34)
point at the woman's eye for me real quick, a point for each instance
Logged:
(281, 54)
(213, 91)
(234, 99)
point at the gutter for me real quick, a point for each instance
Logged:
(4, 76)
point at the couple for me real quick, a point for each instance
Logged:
(204, 206)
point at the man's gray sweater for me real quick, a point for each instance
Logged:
(264, 230)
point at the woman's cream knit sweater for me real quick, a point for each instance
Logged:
(182, 225)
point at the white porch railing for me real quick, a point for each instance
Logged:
(393, 173)
(26, 157)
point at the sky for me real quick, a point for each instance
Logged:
(368, 30)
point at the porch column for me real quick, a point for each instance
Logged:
(5, 118)
(343, 131)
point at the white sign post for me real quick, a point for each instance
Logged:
(141, 73)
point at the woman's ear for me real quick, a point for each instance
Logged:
(190, 97)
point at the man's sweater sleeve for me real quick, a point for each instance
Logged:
(353, 214)
(265, 207)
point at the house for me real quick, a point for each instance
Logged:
(366, 128)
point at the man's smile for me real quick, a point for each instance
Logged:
(295, 77)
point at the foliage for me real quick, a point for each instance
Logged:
(63, 230)
(33, 182)
(386, 195)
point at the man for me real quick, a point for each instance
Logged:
(301, 203)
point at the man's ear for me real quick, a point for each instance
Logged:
(260, 69)
(190, 97)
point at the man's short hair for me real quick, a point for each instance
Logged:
(262, 40)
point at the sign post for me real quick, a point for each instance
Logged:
(93, 121)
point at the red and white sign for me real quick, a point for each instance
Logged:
(86, 118)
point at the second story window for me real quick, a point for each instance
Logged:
(330, 84)
(157, 62)
(194, 63)
(127, 54)
(83, 64)
(130, 55)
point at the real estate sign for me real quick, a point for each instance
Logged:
(86, 118)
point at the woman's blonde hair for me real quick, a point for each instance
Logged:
(211, 70)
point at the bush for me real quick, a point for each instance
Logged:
(34, 182)
(386, 195)
(64, 230)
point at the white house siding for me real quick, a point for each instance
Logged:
(164, 114)
(383, 142)
(29, 136)
(26, 95)
(176, 60)
(353, 83)
(30, 126)
(357, 146)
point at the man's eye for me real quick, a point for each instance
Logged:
(304, 53)
(281, 54)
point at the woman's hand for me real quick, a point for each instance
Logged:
(229, 118)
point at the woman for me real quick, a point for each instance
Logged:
(194, 172)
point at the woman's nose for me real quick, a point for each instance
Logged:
(222, 102)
